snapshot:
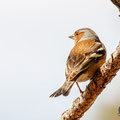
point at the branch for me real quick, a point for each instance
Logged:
(102, 77)
(116, 3)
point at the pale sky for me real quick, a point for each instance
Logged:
(34, 46)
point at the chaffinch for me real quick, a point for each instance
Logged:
(87, 55)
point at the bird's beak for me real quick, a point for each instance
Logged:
(72, 37)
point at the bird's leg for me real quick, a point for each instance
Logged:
(79, 88)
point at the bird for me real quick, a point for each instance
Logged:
(85, 58)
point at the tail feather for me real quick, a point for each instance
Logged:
(64, 90)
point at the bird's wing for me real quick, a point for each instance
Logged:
(76, 64)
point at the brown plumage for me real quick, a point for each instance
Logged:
(85, 58)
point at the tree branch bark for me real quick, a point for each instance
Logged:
(116, 3)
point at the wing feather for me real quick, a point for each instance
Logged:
(77, 63)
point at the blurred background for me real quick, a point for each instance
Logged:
(34, 46)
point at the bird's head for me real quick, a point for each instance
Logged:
(82, 34)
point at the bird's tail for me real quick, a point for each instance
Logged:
(64, 90)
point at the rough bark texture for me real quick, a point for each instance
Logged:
(116, 3)
(102, 77)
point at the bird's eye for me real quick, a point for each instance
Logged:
(77, 34)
